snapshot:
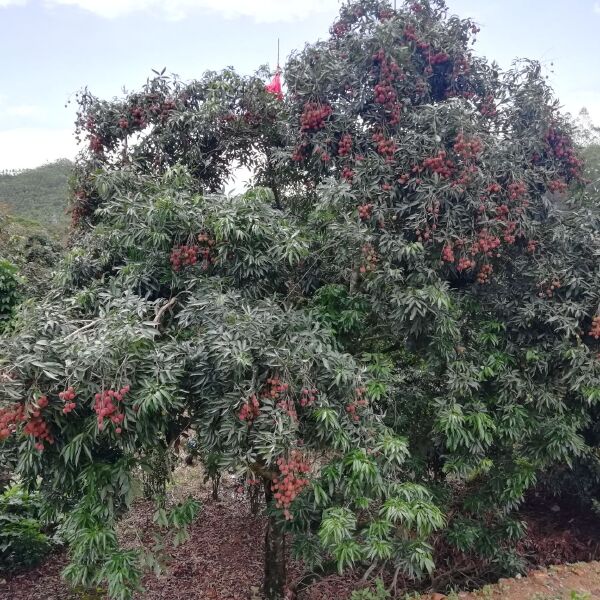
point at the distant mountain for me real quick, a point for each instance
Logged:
(39, 194)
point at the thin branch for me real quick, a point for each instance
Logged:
(84, 328)
(162, 310)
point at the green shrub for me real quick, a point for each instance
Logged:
(9, 291)
(22, 541)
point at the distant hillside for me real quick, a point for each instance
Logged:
(39, 194)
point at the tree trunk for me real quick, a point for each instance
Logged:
(155, 481)
(216, 480)
(275, 560)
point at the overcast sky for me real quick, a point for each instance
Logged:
(51, 48)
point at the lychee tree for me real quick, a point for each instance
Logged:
(394, 336)
(463, 250)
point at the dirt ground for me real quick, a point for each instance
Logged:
(222, 560)
(579, 581)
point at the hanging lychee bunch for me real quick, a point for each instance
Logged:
(290, 482)
(287, 406)
(557, 186)
(106, 405)
(36, 426)
(433, 212)
(485, 272)
(96, 145)
(447, 253)
(509, 232)
(184, 256)
(467, 149)
(385, 147)
(67, 397)
(562, 149)
(300, 152)
(487, 107)
(360, 401)
(548, 287)
(365, 211)
(250, 409)
(314, 116)
(595, 328)
(370, 259)
(516, 190)
(10, 419)
(440, 164)
(347, 174)
(274, 387)
(138, 116)
(206, 244)
(345, 145)
(308, 396)
(464, 264)
(486, 243)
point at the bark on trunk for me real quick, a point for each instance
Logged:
(216, 480)
(275, 563)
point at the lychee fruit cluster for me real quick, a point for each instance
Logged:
(359, 402)
(485, 272)
(183, 256)
(370, 259)
(464, 264)
(440, 164)
(486, 243)
(467, 149)
(447, 253)
(10, 418)
(595, 328)
(37, 427)
(345, 145)
(287, 406)
(250, 409)
(516, 190)
(561, 146)
(314, 116)
(548, 288)
(557, 186)
(106, 405)
(290, 482)
(347, 173)
(365, 211)
(67, 397)
(308, 396)
(385, 147)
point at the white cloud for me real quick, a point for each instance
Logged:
(5, 3)
(259, 10)
(597, 8)
(24, 148)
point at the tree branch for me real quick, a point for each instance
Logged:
(162, 310)
(84, 328)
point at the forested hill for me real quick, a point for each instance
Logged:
(39, 194)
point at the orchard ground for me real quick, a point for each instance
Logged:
(222, 560)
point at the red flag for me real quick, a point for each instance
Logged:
(275, 86)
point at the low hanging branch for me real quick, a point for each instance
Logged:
(84, 328)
